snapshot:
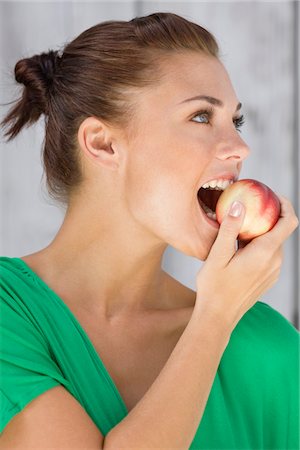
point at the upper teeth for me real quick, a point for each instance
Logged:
(217, 184)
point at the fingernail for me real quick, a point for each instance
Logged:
(236, 209)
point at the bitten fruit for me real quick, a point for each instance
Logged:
(261, 203)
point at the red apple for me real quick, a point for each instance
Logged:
(261, 203)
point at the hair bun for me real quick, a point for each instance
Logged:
(37, 74)
(44, 66)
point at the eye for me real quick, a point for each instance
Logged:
(204, 115)
(239, 122)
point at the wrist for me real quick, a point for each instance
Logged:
(215, 318)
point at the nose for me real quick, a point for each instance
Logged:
(233, 148)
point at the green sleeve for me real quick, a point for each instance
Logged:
(27, 368)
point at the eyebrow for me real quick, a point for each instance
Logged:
(211, 100)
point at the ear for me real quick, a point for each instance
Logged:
(94, 138)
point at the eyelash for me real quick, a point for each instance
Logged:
(238, 121)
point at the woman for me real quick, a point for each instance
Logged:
(101, 347)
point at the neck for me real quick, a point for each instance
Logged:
(111, 269)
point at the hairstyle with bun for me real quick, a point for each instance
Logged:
(95, 75)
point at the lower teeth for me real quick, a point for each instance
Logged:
(212, 215)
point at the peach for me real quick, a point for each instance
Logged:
(261, 203)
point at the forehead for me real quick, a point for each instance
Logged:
(192, 73)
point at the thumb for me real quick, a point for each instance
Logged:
(224, 246)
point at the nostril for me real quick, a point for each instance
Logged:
(232, 146)
(239, 152)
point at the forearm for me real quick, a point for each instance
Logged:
(168, 415)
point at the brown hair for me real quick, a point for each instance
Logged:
(92, 76)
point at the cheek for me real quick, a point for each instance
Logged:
(161, 185)
(157, 195)
(153, 194)
(196, 146)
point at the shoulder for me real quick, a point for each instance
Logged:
(268, 325)
(265, 337)
(10, 282)
(15, 284)
(20, 304)
(11, 270)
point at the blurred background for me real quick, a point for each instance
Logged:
(259, 42)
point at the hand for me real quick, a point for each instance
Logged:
(231, 280)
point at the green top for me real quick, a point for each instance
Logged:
(253, 403)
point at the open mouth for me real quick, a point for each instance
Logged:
(208, 199)
(209, 195)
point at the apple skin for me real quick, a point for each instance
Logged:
(261, 203)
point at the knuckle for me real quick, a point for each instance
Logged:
(292, 224)
(295, 222)
(278, 262)
(277, 274)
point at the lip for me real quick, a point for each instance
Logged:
(225, 176)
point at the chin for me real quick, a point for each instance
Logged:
(197, 246)
(200, 253)
(203, 256)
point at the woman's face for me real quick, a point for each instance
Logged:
(177, 149)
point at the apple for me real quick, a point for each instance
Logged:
(261, 203)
